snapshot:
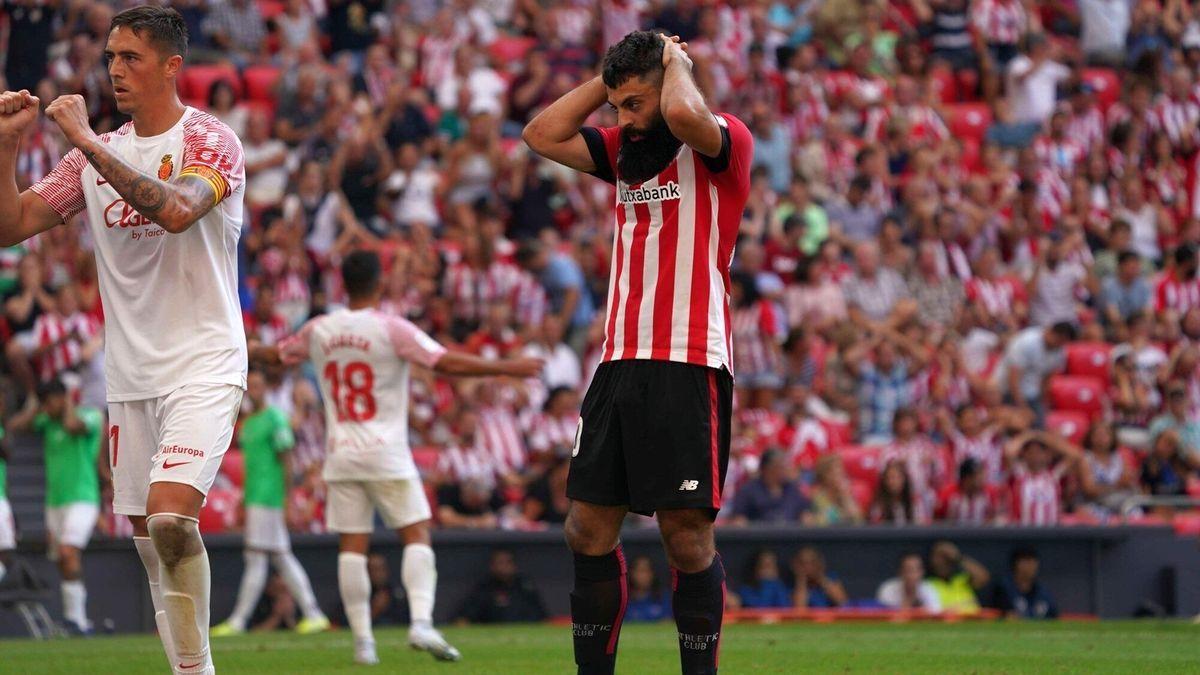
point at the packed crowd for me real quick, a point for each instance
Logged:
(965, 288)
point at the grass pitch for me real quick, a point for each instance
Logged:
(1106, 647)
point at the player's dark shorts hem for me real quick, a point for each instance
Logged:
(653, 435)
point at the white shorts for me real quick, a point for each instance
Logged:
(351, 505)
(70, 525)
(8, 527)
(177, 438)
(266, 529)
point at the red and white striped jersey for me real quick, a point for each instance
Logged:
(1176, 294)
(984, 449)
(957, 508)
(668, 295)
(268, 332)
(501, 435)
(1036, 496)
(457, 463)
(52, 330)
(1087, 127)
(1176, 118)
(548, 432)
(925, 466)
(1061, 155)
(758, 330)
(999, 21)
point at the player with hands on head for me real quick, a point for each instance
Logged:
(164, 196)
(363, 357)
(654, 432)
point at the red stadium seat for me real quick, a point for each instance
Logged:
(233, 467)
(260, 83)
(1078, 393)
(969, 120)
(1070, 424)
(220, 510)
(509, 50)
(1105, 83)
(197, 80)
(970, 154)
(861, 463)
(944, 85)
(426, 459)
(840, 433)
(1089, 358)
(269, 9)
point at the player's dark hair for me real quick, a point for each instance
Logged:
(361, 272)
(638, 54)
(161, 26)
(54, 387)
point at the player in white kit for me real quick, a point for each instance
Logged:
(163, 198)
(362, 357)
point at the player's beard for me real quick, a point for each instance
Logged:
(639, 161)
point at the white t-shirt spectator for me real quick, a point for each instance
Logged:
(1028, 352)
(416, 191)
(266, 186)
(563, 368)
(891, 594)
(1033, 98)
(1105, 25)
(1054, 298)
(485, 87)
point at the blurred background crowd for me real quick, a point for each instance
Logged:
(965, 288)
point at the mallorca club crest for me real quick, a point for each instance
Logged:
(165, 168)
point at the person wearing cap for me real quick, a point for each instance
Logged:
(1177, 418)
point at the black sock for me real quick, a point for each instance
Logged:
(699, 604)
(597, 608)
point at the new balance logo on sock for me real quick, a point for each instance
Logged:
(689, 485)
(697, 642)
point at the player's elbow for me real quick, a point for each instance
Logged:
(175, 225)
(534, 137)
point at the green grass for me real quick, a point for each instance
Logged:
(1115, 647)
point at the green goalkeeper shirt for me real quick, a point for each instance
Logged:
(265, 436)
(71, 458)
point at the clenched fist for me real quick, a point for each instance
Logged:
(18, 109)
(70, 114)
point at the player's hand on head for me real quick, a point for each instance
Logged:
(18, 109)
(674, 48)
(70, 114)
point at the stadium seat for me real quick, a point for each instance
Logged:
(220, 510)
(861, 463)
(260, 83)
(1079, 393)
(1105, 83)
(197, 80)
(426, 459)
(1070, 424)
(509, 50)
(970, 154)
(233, 467)
(969, 120)
(944, 85)
(1089, 358)
(839, 433)
(269, 9)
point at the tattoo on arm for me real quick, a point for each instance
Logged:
(179, 203)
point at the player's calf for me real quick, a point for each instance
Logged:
(184, 577)
(698, 583)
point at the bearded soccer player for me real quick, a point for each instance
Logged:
(265, 438)
(163, 195)
(363, 356)
(654, 431)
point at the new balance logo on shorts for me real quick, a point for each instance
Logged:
(689, 485)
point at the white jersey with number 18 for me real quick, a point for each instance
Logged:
(362, 358)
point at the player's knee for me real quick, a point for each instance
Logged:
(587, 538)
(689, 548)
(174, 538)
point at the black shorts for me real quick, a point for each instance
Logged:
(653, 435)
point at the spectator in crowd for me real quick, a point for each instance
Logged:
(762, 585)
(1033, 77)
(1105, 476)
(893, 500)
(1164, 470)
(1178, 417)
(277, 607)
(503, 596)
(1031, 357)
(972, 500)
(771, 497)
(388, 606)
(922, 461)
(563, 369)
(546, 499)
(884, 383)
(1021, 595)
(473, 504)
(237, 28)
(956, 578)
(1056, 283)
(563, 279)
(832, 500)
(649, 599)
(815, 587)
(909, 589)
(1039, 461)
(1126, 292)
